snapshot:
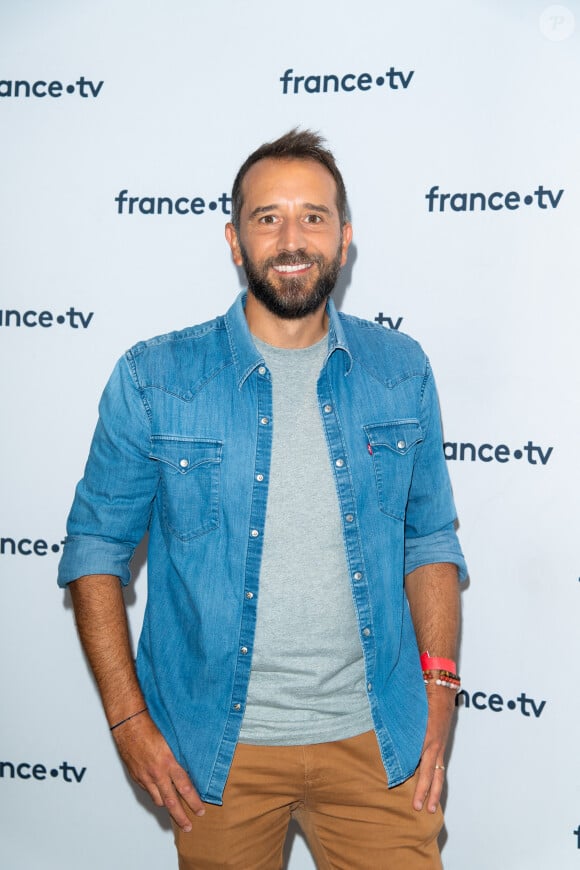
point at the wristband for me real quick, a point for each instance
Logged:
(429, 663)
(122, 722)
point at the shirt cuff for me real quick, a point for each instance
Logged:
(440, 546)
(83, 555)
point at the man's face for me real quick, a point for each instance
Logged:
(290, 241)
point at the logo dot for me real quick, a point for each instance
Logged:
(380, 80)
(518, 454)
(60, 318)
(528, 199)
(55, 548)
(213, 206)
(70, 89)
(54, 772)
(511, 705)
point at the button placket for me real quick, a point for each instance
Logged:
(340, 460)
(248, 588)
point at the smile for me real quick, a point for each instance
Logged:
(299, 267)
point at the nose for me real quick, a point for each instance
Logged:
(291, 236)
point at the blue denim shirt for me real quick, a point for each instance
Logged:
(182, 449)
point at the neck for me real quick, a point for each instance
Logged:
(279, 332)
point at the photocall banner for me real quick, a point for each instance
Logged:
(457, 130)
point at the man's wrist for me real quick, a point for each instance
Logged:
(127, 719)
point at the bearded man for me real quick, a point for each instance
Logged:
(287, 461)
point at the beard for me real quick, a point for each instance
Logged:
(291, 297)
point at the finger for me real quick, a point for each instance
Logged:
(187, 792)
(170, 793)
(175, 808)
(154, 793)
(423, 786)
(436, 788)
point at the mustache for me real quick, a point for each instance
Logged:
(293, 258)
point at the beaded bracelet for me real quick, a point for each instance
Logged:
(444, 678)
(446, 674)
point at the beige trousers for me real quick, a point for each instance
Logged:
(337, 792)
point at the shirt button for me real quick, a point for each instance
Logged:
(184, 463)
(401, 445)
(366, 632)
(369, 687)
(349, 518)
(244, 650)
(249, 595)
(262, 370)
(259, 478)
(237, 706)
(254, 533)
(264, 421)
(339, 463)
(327, 409)
(357, 575)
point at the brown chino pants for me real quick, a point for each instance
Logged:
(338, 795)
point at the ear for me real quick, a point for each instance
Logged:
(232, 240)
(346, 240)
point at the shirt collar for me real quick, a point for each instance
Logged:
(245, 353)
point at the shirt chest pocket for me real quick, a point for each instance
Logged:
(189, 470)
(393, 446)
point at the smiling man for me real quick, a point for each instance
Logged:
(288, 463)
(291, 248)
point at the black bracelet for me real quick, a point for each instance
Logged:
(122, 722)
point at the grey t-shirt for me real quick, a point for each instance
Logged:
(307, 682)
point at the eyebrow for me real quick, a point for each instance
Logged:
(309, 206)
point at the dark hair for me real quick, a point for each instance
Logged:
(295, 145)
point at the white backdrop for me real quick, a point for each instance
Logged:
(165, 98)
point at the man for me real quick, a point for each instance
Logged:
(288, 463)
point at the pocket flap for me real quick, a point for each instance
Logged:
(400, 436)
(184, 454)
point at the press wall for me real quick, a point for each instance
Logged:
(457, 129)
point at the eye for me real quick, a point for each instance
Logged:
(313, 219)
(267, 219)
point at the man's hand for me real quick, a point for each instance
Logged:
(431, 767)
(153, 766)
(102, 625)
(433, 595)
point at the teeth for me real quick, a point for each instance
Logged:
(295, 268)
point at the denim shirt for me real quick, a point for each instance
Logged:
(182, 449)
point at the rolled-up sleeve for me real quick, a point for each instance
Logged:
(112, 504)
(430, 518)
